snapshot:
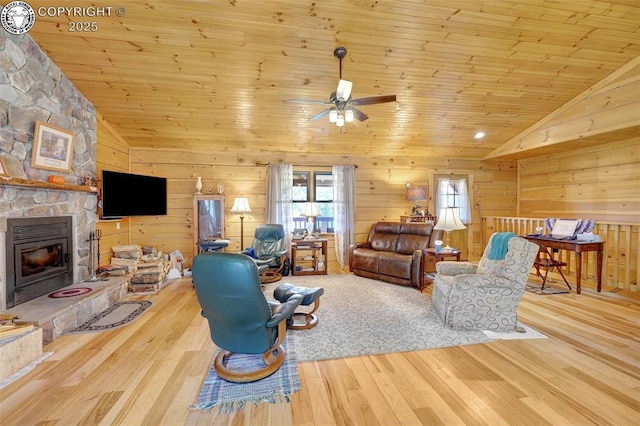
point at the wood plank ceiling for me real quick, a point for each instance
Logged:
(215, 75)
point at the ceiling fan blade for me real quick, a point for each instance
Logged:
(373, 100)
(359, 115)
(320, 114)
(306, 101)
(344, 89)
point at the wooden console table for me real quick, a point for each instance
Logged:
(578, 247)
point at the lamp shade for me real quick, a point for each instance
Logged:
(310, 210)
(449, 220)
(417, 193)
(241, 205)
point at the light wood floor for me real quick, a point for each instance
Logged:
(149, 373)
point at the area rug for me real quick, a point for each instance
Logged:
(229, 397)
(360, 316)
(116, 315)
(70, 292)
(535, 288)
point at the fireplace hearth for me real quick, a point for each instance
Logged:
(38, 257)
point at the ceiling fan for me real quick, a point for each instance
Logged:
(343, 107)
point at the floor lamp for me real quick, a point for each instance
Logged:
(241, 206)
(449, 220)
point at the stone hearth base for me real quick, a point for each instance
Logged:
(19, 351)
(55, 316)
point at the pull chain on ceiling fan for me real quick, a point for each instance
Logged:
(343, 108)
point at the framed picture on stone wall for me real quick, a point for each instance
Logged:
(52, 148)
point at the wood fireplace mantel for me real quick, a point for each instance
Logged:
(26, 183)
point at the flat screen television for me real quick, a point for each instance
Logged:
(127, 194)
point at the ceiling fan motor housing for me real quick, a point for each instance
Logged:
(340, 53)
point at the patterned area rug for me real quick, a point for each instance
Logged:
(116, 315)
(359, 316)
(229, 397)
(70, 292)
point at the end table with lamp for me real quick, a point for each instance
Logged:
(449, 220)
(434, 256)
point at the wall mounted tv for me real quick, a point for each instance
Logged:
(126, 194)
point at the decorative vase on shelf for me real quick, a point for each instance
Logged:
(199, 185)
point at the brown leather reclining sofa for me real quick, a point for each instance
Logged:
(394, 252)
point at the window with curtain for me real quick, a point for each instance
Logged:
(453, 192)
(313, 187)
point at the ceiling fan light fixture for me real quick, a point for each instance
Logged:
(342, 109)
(348, 116)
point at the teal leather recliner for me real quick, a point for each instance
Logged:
(269, 251)
(241, 320)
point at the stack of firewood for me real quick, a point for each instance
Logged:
(125, 260)
(148, 271)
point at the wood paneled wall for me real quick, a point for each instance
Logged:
(596, 182)
(380, 191)
(113, 154)
(601, 183)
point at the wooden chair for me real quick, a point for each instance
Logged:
(546, 260)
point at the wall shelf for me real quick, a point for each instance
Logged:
(36, 184)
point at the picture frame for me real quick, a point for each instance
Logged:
(3, 168)
(52, 148)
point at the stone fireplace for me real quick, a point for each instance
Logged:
(42, 93)
(61, 240)
(39, 257)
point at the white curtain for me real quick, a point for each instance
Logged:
(465, 206)
(454, 193)
(279, 208)
(344, 183)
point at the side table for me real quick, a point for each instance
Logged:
(309, 257)
(434, 257)
(442, 255)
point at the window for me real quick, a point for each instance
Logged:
(300, 191)
(313, 187)
(452, 192)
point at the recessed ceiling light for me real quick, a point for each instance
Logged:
(479, 135)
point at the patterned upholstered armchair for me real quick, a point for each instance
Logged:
(485, 296)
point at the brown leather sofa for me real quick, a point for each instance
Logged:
(394, 252)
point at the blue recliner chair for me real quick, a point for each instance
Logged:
(241, 320)
(269, 251)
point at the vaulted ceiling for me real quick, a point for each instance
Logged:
(216, 75)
